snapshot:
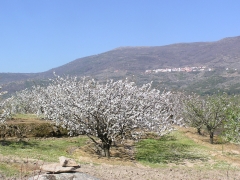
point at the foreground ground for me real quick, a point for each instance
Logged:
(222, 161)
(215, 162)
(122, 172)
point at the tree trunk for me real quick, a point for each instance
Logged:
(105, 145)
(199, 131)
(211, 137)
(106, 148)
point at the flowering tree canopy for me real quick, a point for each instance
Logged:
(4, 113)
(194, 112)
(106, 111)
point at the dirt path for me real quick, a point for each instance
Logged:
(118, 172)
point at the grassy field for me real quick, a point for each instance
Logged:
(16, 154)
(182, 148)
(43, 149)
(172, 148)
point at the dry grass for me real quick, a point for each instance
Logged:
(25, 119)
(219, 151)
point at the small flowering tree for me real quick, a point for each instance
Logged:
(105, 111)
(209, 112)
(23, 103)
(193, 112)
(4, 113)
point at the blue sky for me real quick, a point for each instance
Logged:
(37, 35)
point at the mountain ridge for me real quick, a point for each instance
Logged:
(127, 61)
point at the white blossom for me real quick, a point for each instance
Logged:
(4, 113)
(108, 111)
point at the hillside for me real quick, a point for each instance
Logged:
(223, 53)
(222, 57)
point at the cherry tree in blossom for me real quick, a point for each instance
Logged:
(105, 111)
(4, 113)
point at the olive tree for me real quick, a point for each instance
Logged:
(107, 111)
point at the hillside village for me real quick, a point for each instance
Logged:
(182, 69)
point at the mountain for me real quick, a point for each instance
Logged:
(221, 57)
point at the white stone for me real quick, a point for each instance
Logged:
(57, 168)
(67, 162)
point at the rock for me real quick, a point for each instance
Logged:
(64, 176)
(67, 162)
(57, 168)
(1, 176)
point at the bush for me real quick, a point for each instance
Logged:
(32, 130)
